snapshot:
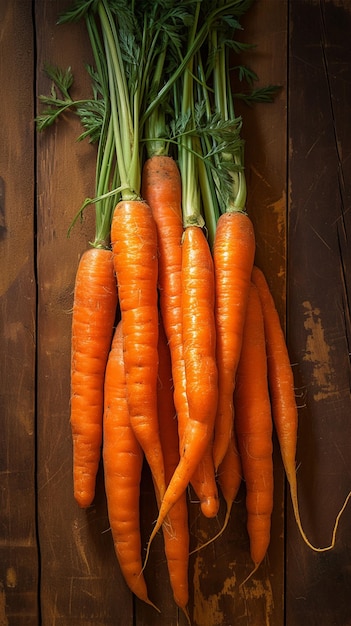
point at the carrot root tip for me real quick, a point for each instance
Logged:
(253, 571)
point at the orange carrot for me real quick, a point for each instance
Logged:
(176, 529)
(233, 254)
(229, 479)
(94, 310)
(134, 245)
(203, 481)
(123, 461)
(253, 424)
(281, 384)
(199, 344)
(229, 476)
(161, 189)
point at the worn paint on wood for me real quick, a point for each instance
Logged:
(318, 305)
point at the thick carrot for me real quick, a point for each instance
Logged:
(253, 425)
(134, 245)
(199, 344)
(123, 461)
(233, 254)
(284, 408)
(94, 310)
(176, 529)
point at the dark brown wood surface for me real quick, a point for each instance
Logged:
(318, 585)
(57, 564)
(19, 571)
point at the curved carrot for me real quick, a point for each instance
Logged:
(176, 529)
(281, 383)
(253, 424)
(94, 310)
(134, 245)
(233, 255)
(123, 461)
(199, 344)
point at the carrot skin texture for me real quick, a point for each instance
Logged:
(233, 254)
(161, 188)
(123, 461)
(282, 393)
(203, 481)
(230, 475)
(176, 530)
(199, 343)
(280, 377)
(134, 246)
(254, 426)
(199, 332)
(94, 311)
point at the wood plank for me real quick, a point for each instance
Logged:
(18, 545)
(318, 304)
(80, 579)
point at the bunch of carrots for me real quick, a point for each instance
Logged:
(178, 354)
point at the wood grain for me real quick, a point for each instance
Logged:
(319, 321)
(18, 540)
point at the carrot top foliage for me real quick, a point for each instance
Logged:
(162, 83)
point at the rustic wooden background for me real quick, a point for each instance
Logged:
(57, 565)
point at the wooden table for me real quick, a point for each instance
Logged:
(57, 565)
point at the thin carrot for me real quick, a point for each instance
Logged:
(123, 461)
(253, 424)
(94, 310)
(203, 481)
(161, 189)
(281, 384)
(176, 529)
(199, 341)
(134, 245)
(229, 478)
(233, 254)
